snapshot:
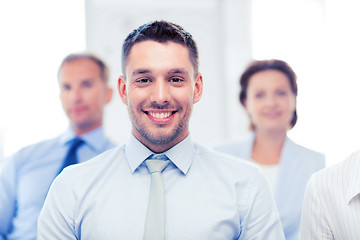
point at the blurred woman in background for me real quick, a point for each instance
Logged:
(268, 93)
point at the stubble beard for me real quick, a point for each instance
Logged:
(163, 139)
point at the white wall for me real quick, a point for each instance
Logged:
(35, 36)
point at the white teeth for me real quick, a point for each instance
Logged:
(160, 115)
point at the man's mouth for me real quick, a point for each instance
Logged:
(160, 115)
(77, 110)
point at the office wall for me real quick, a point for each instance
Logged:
(35, 36)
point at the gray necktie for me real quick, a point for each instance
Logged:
(154, 225)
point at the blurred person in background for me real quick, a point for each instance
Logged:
(27, 175)
(268, 93)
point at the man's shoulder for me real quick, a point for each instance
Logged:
(100, 162)
(224, 160)
(34, 151)
(41, 144)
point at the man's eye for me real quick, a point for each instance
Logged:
(175, 79)
(66, 87)
(87, 84)
(143, 80)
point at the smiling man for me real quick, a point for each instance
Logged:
(27, 175)
(160, 93)
(160, 184)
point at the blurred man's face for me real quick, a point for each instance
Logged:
(83, 94)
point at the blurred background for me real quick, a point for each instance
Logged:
(318, 38)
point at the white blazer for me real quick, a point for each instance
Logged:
(296, 166)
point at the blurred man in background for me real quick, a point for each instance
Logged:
(27, 175)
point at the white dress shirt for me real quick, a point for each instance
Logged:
(208, 195)
(332, 202)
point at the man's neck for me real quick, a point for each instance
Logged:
(83, 130)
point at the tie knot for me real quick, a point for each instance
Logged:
(76, 142)
(157, 163)
(71, 157)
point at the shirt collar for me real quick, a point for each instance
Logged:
(95, 139)
(353, 166)
(181, 155)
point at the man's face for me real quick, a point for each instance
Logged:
(83, 94)
(160, 90)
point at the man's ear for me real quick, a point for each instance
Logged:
(122, 89)
(198, 88)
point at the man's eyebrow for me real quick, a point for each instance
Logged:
(178, 70)
(171, 71)
(87, 80)
(140, 71)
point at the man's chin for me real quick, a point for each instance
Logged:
(157, 138)
(83, 124)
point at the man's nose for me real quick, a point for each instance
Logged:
(161, 92)
(76, 94)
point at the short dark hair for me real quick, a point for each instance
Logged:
(263, 65)
(161, 31)
(104, 70)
